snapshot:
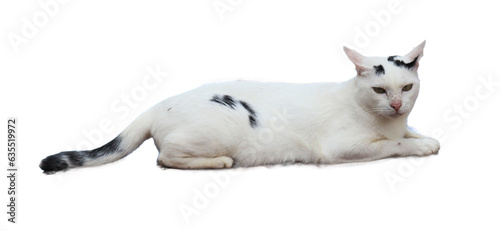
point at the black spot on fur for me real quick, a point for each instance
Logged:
(229, 101)
(253, 121)
(412, 64)
(379, 70)
(400, 63)
(247, 107)
(226, 100)
(252, 117)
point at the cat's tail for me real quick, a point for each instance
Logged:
(125, 143)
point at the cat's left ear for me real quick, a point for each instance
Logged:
(358, 60)
(415, 55)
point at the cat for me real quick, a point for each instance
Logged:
(245, 123)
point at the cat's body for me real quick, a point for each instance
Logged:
(246, 123)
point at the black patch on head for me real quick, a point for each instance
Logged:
(379, 70)
(252, 116)
(226, 100)
(412, 64)
(400, 63)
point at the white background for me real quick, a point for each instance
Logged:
(84, 58)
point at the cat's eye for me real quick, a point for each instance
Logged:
(379, 90)
(407, 87)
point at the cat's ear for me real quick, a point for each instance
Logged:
(358, 60)
(415, 55)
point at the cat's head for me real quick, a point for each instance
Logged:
(387, 86)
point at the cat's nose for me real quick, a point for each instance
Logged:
(396, 105)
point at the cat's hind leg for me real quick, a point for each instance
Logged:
(195, 162)
(191, 151)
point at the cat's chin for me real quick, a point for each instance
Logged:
(395, 115)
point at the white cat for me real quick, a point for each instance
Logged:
(244, 123)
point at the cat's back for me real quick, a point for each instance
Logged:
(250, 98)
(259, 92)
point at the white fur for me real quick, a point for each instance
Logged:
(320, 123)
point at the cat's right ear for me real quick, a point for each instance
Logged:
(358, 60)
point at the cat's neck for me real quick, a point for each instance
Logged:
(392, 128)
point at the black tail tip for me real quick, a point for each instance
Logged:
(53, 164)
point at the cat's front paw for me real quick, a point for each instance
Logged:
(427, 146)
